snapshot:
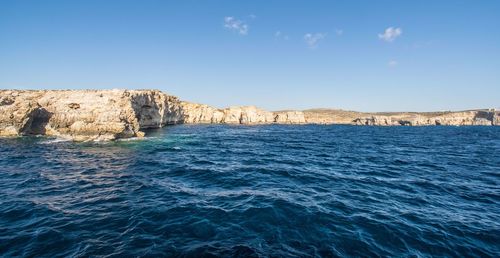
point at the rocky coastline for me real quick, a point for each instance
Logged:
(101, 115)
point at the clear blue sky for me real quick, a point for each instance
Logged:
(439, 55)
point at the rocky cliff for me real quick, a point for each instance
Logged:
(84, 115)
(200, 113)
(471, 117)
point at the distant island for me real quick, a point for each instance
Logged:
(100, 115)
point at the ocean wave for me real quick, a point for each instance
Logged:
(261, 191)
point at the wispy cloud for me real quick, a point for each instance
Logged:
(234, 24)
(252, 16)
(390, 34)
(280, 35)
(339, 32)
(392, 63)
(312, 40)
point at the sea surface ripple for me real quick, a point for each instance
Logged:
(255, 191)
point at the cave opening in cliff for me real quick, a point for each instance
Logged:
(38, 120)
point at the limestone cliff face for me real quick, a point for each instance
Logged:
(84, 115)
(154, 109)
(496, 118)
(247, 115)
(290, 117)
(474, 117)
(16, 113)
(199, 113)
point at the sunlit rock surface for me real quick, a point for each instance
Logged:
(200, 113)
(290, 117)
(473, 117)
(96, 115)
(84, 115)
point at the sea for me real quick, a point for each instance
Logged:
(255, 191)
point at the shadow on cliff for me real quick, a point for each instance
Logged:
(38, 119)
(485, 116)
(147, 112)
(155, 113)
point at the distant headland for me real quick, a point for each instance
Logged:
(99, 115)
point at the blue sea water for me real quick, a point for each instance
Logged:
(255, 191)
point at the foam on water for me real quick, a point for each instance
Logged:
(294, 191)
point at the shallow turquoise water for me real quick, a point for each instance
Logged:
(294, 191)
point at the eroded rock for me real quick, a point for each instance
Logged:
(84, 115)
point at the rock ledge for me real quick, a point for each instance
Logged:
(100, 115)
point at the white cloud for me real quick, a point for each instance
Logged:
(339, 32)
(280, 35)
(312, 40)
(234, 24)
(390, 34)
(252, 16)
(392, 63)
